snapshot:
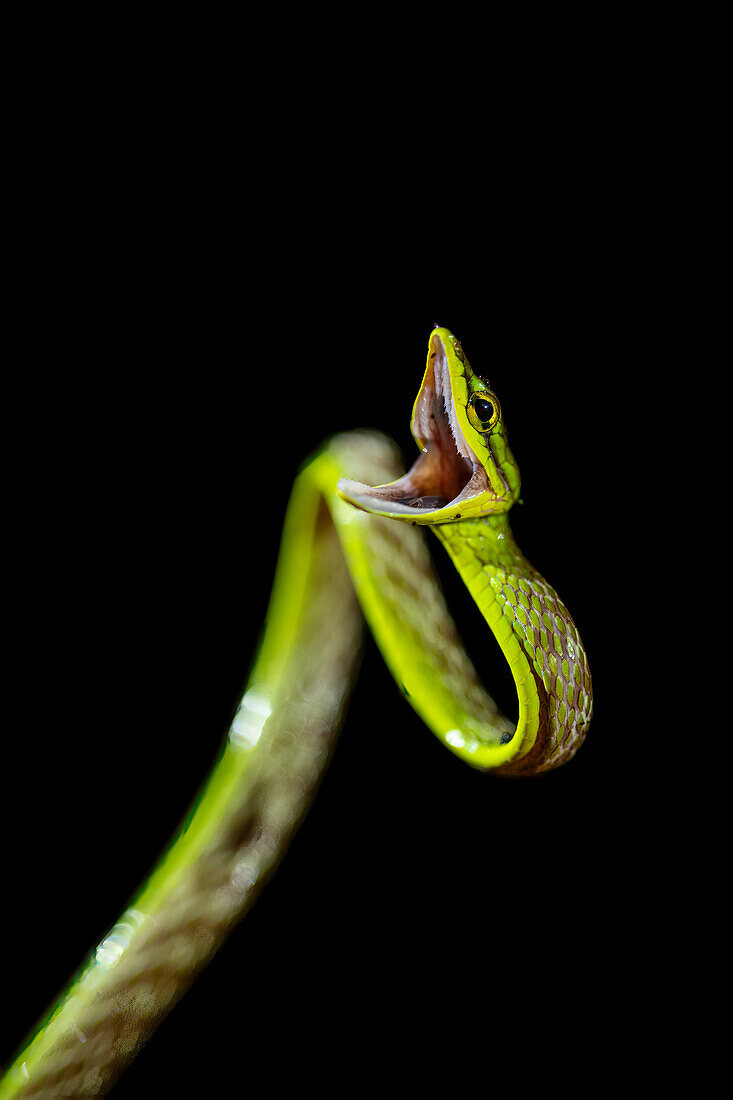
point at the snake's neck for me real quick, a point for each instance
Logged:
(536, 633)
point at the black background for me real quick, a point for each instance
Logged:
(164, 405)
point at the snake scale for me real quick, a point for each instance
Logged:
(351, 550)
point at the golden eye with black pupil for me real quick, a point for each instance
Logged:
(482, 412)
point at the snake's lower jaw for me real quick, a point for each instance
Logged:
(369, 498)
(419, 498)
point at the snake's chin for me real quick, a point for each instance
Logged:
(446, 473)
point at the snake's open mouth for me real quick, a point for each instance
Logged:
(446, 472)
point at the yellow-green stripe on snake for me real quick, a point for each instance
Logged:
(349, 552)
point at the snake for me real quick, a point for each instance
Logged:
(352, 551)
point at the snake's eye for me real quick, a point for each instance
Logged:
(482, 412)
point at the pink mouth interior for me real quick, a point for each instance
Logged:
(446, 471)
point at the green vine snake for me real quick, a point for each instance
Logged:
(351, 550)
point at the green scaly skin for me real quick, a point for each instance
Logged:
(531, 624)
(537, 636)
(288, 719)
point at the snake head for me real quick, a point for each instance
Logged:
(465, 468)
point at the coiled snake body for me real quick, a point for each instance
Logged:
(349, 551)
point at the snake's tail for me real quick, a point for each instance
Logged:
(277, 749)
